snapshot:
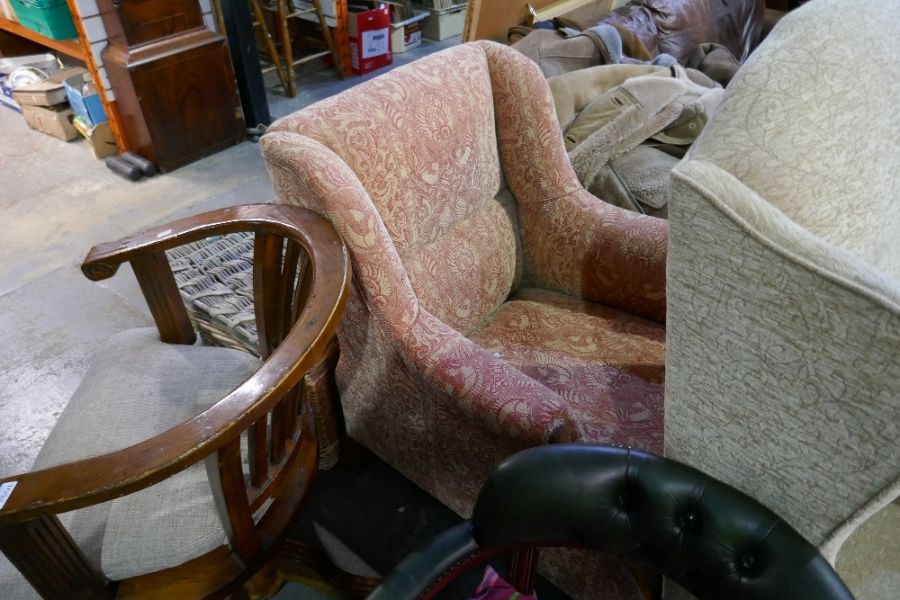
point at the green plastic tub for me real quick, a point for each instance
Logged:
(48, 17)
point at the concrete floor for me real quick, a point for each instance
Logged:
(56, 201)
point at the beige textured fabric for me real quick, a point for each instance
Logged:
(783, 330)
(165, 524)
(573, 91)
(868, 561)
(815, 131)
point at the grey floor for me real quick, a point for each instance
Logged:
(56, 201)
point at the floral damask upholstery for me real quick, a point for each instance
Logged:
(496, 305)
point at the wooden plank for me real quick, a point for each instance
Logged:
(258, 446)
(226, 479)
(559, 8)
(491, 19)
(71, 47)
(157, 282)
(341, 35)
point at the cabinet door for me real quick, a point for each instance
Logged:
(135, 22)
(189, 104)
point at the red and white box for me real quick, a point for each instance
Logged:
(370, 39)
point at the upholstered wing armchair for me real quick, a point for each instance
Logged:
(497, 305)
(783, 366)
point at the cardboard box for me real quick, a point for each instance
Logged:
(99, 137)
(407, 34)
(49, 92)
(52, 120)
(87, 107)
(370, 39)
(442, 24)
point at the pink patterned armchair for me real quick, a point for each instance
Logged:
(496, 304)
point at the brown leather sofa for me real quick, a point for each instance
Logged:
(678, 27)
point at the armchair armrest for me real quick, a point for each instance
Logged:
(579, 245)
(493, 393)
(145, 252)
(103, 260)
(573, 242)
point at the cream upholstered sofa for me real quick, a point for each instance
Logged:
(783, 327)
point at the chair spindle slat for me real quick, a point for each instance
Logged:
(267, 259)
(289, 273)
(292, 406)
(304, 285)
(44, 552)
(279, 433)
(226, 478)
(160, 290)
(257, 444)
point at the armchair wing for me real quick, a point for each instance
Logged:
(572, 243)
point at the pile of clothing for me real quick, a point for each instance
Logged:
(634, 87)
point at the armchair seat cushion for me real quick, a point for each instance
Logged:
(608, 365)
(138, 387)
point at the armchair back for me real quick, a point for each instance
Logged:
(423, 145)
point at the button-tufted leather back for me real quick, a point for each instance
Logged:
(712, 539)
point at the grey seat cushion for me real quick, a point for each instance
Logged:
(138, 387)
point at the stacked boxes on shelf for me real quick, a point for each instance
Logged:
(90, 119)
(407, 34)
(45, 107)
(447, 18)
(50, 18)
(45, 63)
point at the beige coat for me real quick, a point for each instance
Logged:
(625, 126)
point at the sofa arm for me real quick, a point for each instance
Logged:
(489, 390)
(791, 335)
(582, 246)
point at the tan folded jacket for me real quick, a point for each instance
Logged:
(620, 122)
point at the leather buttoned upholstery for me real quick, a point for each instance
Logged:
(714, 540)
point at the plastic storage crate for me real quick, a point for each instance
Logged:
(442, 24)
(44, 62)
(48, 17)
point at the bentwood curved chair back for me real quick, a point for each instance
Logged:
(180, 467)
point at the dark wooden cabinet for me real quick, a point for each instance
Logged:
(173, 80)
